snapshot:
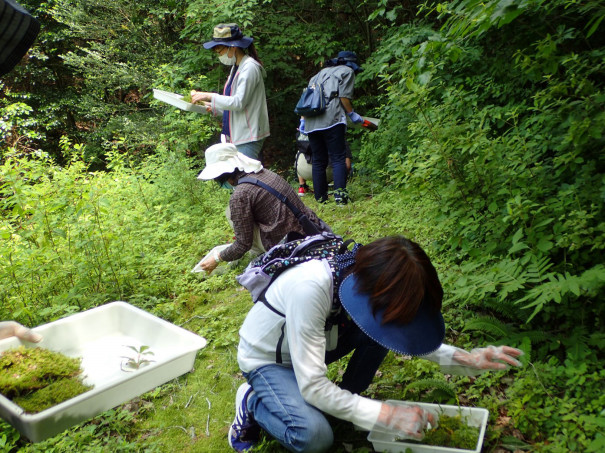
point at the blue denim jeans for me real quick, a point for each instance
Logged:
(252, 149)
(280, 409)
(328, 145)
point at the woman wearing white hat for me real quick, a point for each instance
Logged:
(243, 104)
(252, 206)
(391, 298)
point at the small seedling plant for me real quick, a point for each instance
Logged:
(140, 359)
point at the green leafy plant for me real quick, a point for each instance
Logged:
(138, 360)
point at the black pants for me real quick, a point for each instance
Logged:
(328, 146)
(365, 360)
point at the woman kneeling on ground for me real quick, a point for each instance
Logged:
(391, 298)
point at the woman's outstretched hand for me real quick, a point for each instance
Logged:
(14, 329)
(489, 358)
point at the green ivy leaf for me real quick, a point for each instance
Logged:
(518, 235)
(518, 246)
(574, 287)
(544, 245)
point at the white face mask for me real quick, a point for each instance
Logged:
(226, 59)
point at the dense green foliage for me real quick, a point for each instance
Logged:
(488, 113)
(489, 153)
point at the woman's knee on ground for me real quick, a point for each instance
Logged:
(312, 438)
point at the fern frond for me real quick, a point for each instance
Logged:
(560, 287)
(534, 336)
(488, 325)
(432, 384)
(536, 271)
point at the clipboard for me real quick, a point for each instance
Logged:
(176, 100)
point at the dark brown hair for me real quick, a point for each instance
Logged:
(234, 175)
(398, 276)
(253, 53)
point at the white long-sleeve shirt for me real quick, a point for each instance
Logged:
(304, 294)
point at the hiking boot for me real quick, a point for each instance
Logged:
(244, 431)
(341, 197)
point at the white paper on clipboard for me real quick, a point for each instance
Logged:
(176, 100)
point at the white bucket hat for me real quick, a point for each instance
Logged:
(224, 158)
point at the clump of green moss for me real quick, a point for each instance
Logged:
(37, 378)
(452, 432)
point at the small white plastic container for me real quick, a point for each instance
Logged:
(475, 416)
(102, 337)
(176, 100)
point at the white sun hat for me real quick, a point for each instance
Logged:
(224, 158)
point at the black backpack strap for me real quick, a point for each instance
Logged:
(345, 246)
(309, 227)
(278, 358)
(262, 298)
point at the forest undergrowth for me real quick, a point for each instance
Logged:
(489, 154)
(71, 239)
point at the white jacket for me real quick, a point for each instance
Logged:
(304, 294)
(249, 120)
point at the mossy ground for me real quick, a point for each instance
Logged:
(38, 378)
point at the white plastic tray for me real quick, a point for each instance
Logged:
(101, 337)
(476, 416)
(176, 100)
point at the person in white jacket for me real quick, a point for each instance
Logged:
(243, 104)
(391, 298)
